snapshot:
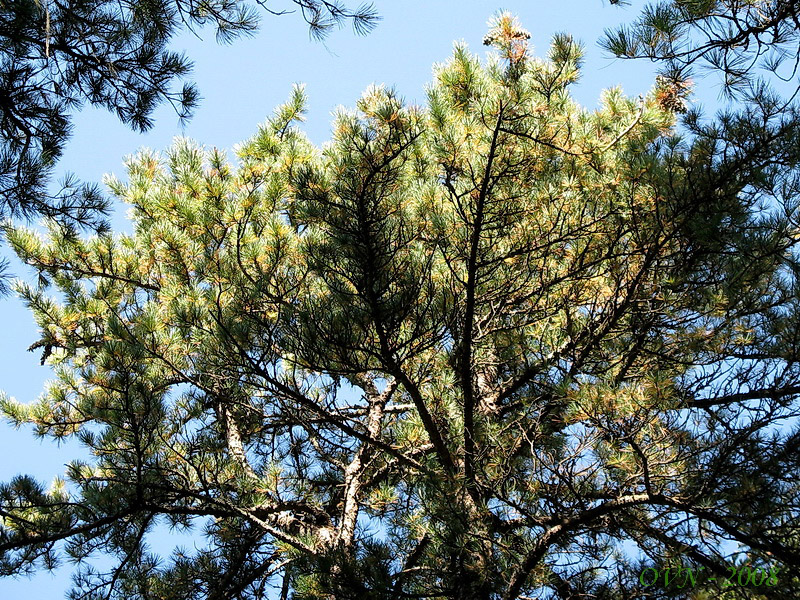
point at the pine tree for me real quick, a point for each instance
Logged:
(57, 55)
(470, 350)
(752, 44)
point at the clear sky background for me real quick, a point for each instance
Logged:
(241, 84)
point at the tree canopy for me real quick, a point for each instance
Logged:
(750, 43)
(57, 55)
(471, 350)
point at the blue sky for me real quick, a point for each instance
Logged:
(241, 84)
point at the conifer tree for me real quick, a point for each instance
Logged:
(471, 350)
(750, 43)
(57, 55)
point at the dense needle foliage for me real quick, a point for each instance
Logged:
(58, 55)
(466, 350)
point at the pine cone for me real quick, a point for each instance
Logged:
(672, 93)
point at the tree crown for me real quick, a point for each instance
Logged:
(465, 350)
